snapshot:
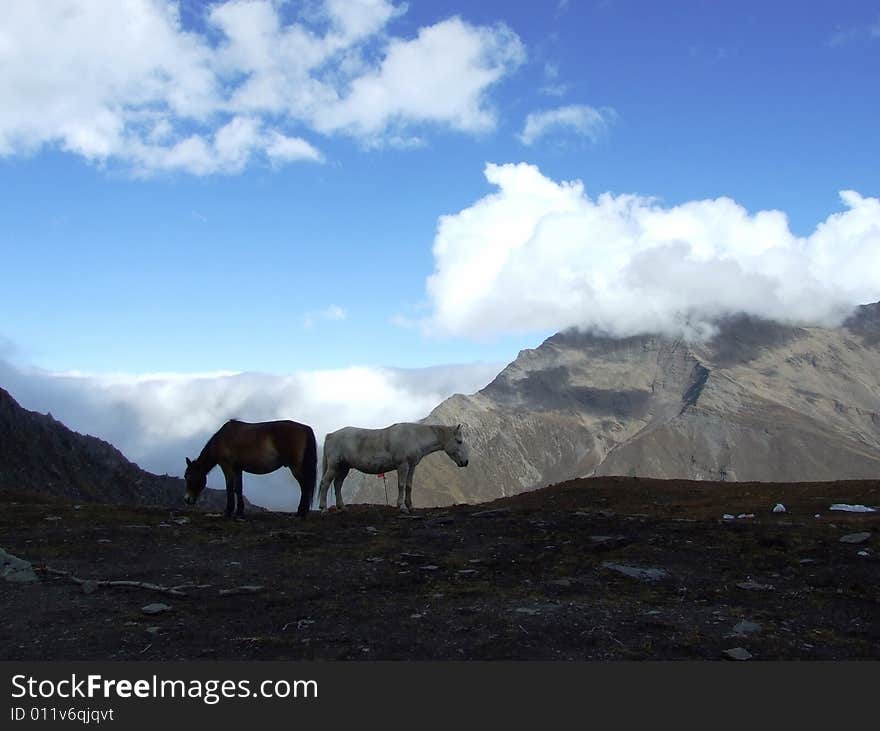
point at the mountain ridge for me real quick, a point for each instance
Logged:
(758, 400)
(39, 454)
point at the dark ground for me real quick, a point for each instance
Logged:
(524, 582)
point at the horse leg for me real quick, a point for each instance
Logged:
(239, 489)
(409, 481)
(304, 504)
(229, 474)
(402, 476)
(337, 487)
(326, 479)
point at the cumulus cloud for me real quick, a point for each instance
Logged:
(580, 119)
(158, 419)
(128, 83)
(537, 254)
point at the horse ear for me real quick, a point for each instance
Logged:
(188, 461)
(458, 428)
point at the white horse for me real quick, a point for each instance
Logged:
(397, 447)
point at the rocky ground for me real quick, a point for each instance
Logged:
(605, 568)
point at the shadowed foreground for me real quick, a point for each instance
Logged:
(605, 568)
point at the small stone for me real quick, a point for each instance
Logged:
(15, 569)
(856, 537)
(727, 516)
(181, 521)
(738, 653)
(847, 508)
(244, 589)
(412, 557)
(745, 628)
(156, 608)
(779, 508)
(53, 517)
(637, 572)
(153, 630)
(429, 567)
(755, 586)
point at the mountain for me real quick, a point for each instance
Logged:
(39, 454)
(759, 401)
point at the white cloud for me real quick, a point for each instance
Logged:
(332, 312)
(541, 255)
(127, 83)
(440, 76)
(578, 118)
(158, 419)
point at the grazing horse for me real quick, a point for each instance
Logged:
(256, 448)
(397, 447)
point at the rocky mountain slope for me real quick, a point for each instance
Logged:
(758, 401)
(39, 454)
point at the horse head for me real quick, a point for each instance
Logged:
(196, 479)
(455, 447)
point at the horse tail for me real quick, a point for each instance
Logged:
(309, 473)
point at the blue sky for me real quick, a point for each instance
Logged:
(111, 269)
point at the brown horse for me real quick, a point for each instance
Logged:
(256, 448)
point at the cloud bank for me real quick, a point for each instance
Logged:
(537, 254)
(132, 83)
(158, 419)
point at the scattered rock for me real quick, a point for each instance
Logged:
(412, 557)
(745, 628)
(180, 521)
(727, 516)
(606, 541)
(738, 653)
(429, 567)
(847, 508)
(244, 589)
(779, 508)
(755, 586)
(637, 572)
(466, 572)
(855, 537)
(53, 517)
(153, 630)
(15, 569)
(156, 608)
